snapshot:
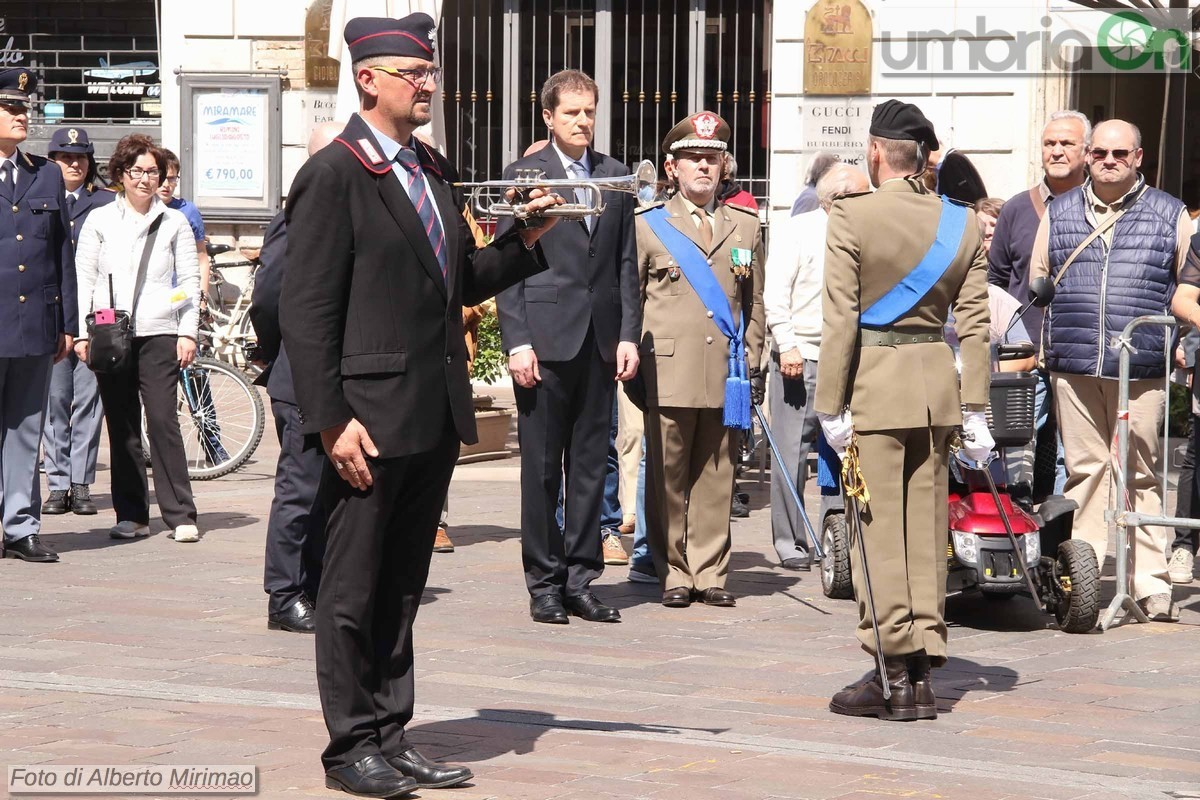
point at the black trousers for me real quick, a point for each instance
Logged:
(562, 426)
(376, 562)
(152, 379)
(1187, 493)
(296, 528)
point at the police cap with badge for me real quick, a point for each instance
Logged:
(412, 36)
(70, 140)
(16, 84)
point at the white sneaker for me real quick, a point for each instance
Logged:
(187, 533)
(128, 530)
(1180, 566)
(1159, 608)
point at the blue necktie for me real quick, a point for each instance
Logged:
(418, 193)
(582, 196)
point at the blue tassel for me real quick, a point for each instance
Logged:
(829, 467)
(737, 390)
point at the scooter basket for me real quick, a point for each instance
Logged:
(1010, 408)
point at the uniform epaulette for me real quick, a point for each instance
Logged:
(737, 207)
(958, 202)
(643, 209)
(855, 194)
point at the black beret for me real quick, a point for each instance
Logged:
(412, 36)
(70, 140)
(959, 180)
(16, 84)
(895, 120)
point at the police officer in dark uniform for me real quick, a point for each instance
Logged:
(37, 305)
(71, 439)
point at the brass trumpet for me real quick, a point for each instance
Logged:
(487, 197)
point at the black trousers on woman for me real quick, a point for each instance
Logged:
(152, 379)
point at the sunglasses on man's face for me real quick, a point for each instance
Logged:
(1100, 154)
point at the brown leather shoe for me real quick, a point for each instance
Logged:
(679, 597)
(714, 596)
(865, 698)
(627, 525)
(441, 542)
(919, 675)
(614, 551)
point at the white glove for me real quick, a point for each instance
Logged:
(837, 429)
(977, 439)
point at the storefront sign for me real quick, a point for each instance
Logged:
(839, 127)
(231, 132)
(837, 48)
(320, 71)
(319, 107)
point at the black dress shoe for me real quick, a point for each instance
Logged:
(714, 596)
(679, 597)
(81, 499)
(548, 608)
(299, 617)
(797, 563)
(429, 774)
(372, 776)
(738, 508)
(59, 502)
(589, 607)
(29, 549)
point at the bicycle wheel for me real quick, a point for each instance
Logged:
(221, 418)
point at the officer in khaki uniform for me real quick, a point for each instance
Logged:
(896, 261)
(685, 360)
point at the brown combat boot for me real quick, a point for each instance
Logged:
(865, 698)
(920, 676)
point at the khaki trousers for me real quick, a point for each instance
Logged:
(1087, 419)
(905, 536)
(631, 427)
(689, 486)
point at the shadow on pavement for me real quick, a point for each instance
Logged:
(96, 538)
(496, 732)
(750, 575)
(466, 535)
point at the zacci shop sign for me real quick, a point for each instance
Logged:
(837, 48)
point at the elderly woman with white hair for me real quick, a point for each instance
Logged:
(792, 299)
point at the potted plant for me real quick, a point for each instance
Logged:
(492, 423)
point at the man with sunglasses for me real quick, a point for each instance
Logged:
(37, 305)
(1115, 247)
(380, 264)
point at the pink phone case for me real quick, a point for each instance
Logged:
(105, 316)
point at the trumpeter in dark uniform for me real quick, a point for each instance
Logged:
(37, 305)
(896, 261)
(71, 439)
(379, 265)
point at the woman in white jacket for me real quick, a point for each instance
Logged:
(165, 323)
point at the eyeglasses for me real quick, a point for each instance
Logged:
(417, 76)
(137, 173)
(170, 179)
(1100, 154)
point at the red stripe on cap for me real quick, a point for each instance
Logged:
(424, 46)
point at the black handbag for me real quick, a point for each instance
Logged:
(110, 344)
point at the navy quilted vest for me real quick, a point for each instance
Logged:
(1103, 289)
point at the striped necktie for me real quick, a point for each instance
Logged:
(418, 193)
(582, 197)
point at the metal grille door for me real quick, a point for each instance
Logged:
(472, 92)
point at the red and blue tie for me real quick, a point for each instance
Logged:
(418, 192)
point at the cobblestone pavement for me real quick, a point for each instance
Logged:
(152, 652)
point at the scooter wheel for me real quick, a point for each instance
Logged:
(1077, 586)
(836, 582)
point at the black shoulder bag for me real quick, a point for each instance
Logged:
(110, 344)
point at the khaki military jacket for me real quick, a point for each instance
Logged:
(873, 241)
(684, 355)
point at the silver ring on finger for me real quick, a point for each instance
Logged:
(339, 466)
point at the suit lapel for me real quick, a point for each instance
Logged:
(681, 218)
(27, 176)
(444, 200)
(723, 227)
(401, 208)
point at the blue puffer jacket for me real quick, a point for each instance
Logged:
(1104, 289)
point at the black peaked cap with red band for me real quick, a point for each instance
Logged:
(413, 36)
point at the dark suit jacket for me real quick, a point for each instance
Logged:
(374, 329)
(37, 303)
(90, 198)
(264, 313)
(592, 279)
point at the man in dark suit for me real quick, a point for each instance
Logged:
(568, 332)
(296, 527)
(37, 305)
(71, 439)
(379, 265)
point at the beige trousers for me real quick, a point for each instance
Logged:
(631, 427)
(1086, 408)
(689, 485)
(905, 535)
